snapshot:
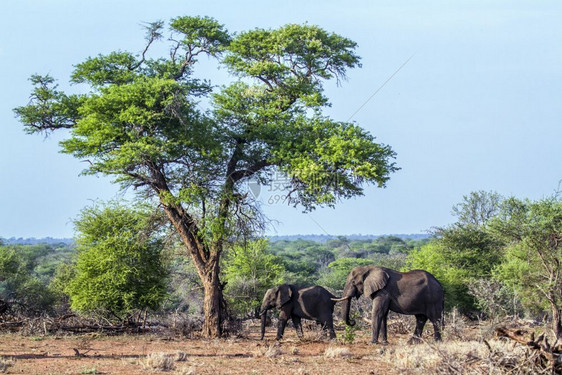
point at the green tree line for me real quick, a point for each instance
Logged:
(125, 259)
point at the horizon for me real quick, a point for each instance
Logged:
(54, 240)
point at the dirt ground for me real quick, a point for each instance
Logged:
(100, 354)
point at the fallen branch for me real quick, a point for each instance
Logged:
(550, 356)
(11, 325)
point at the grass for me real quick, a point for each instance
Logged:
(467, 348)
(186, 371)
(273, 351)
(181, 356)
(159, 362)
(461, 357)
(334, 352)
(5, 364)
(90, 371)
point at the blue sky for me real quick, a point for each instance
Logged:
(478, 107)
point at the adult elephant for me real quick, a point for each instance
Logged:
(412, 293)
(314, 303)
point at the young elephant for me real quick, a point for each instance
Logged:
(314, 303)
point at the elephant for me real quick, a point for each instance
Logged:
(315, 303)
(416, 292)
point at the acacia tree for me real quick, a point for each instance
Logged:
(140, 123)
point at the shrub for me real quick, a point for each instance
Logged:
(250, 270)
(119, 267)
(19, 284)
(159, 362)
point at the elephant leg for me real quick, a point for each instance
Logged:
(384, 329)
(329, 327)
(298, 325)
(282, 324)
(437, 324)
(322, 326)
(380, 310)
(436, 317)
(420, 323)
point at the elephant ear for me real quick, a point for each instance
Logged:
(284, 294)
(375, 281)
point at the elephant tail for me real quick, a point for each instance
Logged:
(443, 313)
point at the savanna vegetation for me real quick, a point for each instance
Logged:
(501, 258)
(499, 262)
(124, 262)
(188, 253)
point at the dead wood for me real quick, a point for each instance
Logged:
(549, 356)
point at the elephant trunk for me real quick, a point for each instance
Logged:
(265, 305)
(345, 312)
(263, 316)
(348, 293)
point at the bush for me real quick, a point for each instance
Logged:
(250, 270)
(119, 267)
(20, 285)
(532, 262)
(494, 298)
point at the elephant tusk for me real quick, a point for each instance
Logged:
(339, 299)
(263, 312)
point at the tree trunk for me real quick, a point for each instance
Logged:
(207, 264)
(206, 259)
(213, 302)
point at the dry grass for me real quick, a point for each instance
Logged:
(273, 351)
(334, 352)
(270, 351)
(159, 362)
(462, 357)
(467, 348)
(168, 362)
(186, 370)
(181, 356)
(5, 364)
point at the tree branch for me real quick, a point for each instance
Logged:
(153, 35)
(240, 174)
(182, 221)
